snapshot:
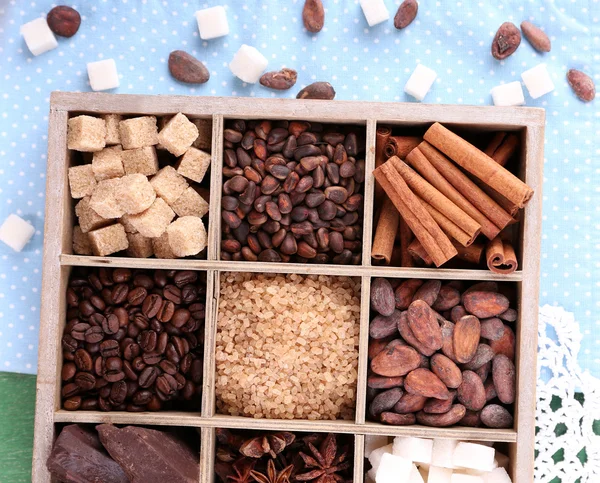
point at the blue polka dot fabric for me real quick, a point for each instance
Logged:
(362, 62)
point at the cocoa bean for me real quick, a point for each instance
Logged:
(471, 419)
(384, 401)
(428, 292)
(536, 37)
(313, 15)
(280, 80)
(448, 372)
(448, 297)
(456, 413)
(485, 304)
(408, 335)
(448, 340)
(506, 344)
(465, 339)
(379, 382)
(426, 383)
(457, 313)
(495, 416)
(423, 322)
(410, 403)
(506, 41)
(509, 315)
(484, 371)
(492, 329)
(405, 292)
(317, 90)
(397, 419)
(582, 84)
(504, 377)
(382, 296)
(406, 14)
(471, 392)
(439, 406)
(483, 355)
(184, 67)
(377, 345)
(395, 361)
(383, 326)
(64, 20)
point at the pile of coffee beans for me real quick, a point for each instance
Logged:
(133, 340)
(292, 192)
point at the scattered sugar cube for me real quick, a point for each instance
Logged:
(190, 203)
(153, 222)
(393, 469)
(474, 456)
(194, 164)
(108, 240)
(497, 475)
(86, 133)
(372, 442)
(108, 163)
(212, 22)
(112, 128)
(139, 246)
(169, 184)
(16, 232)
(415, 476)
(370, 478)
(414, 449)
(104, 200)
(204, 139)
(82, 181)
(438, 474)
(103, 74)
(463, 478)
(138, 132)
(375, 11)
(501, 460)
(88, 218)
(187, 236)
(248, 64)
(161, 247)
(141, 160)
(510, 94)
(538, 81)
(443, 452)
(377, 454)
(135, 193)
(38, 36)
(420, 81)
(81, 242)
(178, 135)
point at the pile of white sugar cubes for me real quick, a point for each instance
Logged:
(421, 460)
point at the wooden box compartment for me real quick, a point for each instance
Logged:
(58, 261)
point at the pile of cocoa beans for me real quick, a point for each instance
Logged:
(440, 354)
(292, 192)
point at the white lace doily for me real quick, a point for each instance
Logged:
(569, 427)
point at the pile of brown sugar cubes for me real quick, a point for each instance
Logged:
(127, 200)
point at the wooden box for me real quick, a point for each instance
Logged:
(58, 260)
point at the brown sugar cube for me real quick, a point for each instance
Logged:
(81, 242)
(162, 122)
(108, 240)
(135, 193)
(88, 218)
(142, 160)
(187, 236)
(178, 135)
(139, 246)
(194, 164)
(169, 184)
(81, 181)
(161, 247)
(138, 132)
(204, 139)
(129, 228)
(190, 203)
(86, 133)
(104, 200)
(153, 222)
(107, 163)
(112, 128)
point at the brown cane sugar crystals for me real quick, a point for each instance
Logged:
(287, 346)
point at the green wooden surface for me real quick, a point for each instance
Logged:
(17, 404)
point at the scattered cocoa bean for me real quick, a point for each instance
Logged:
(313, 15)
(280, 79)
(186, 68)
(536, 36)
(406, 14)
(582, 85)
(506, 41)
(64, 21)
(317, 90)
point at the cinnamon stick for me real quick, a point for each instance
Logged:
(501, 257)
(435, 198)
(419, 161)
(385, 233)
(433, 239)
(479, 164)
(401, 145)
(417, 252)
(502, 147)
(470, 254)
(449, 228)
(381, 137)
(406, 237)
(466, 187)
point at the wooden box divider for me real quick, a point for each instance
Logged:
(58, 261)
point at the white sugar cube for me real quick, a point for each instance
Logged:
(377, 454)
(474, 456)
(375, 11)
(103, 74)
(510, 94)
(464, 478)
(372, 442)
(414, 449)
(212, 22)
(538, 81)
(248, 64)
(469, 471)
(370, 478)
(38, 36)
(497, 475)
(393, 469)
(439, 475)
(420, 81)
(501, 460)
(415, 476)
(443, 452)
(16, 232)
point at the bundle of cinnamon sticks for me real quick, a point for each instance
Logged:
(448, 195)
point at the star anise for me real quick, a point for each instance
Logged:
(242, 470)
(272, 444)
(272, 475)
(326, 461)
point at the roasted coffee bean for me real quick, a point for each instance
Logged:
(140, 321)
(85, 380)
(180, 317)
(72, 298)
(152, 358)
(78, 331)
(110, 324)
(83, 360)
(131, 350)
(68, 371)
(137, 296)
(129, 372)
(141, 398)
(94, 334)
(167, 309)
(152, 305)
(118, 393)
(148, 376)
(147, 340)
(72, 403)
